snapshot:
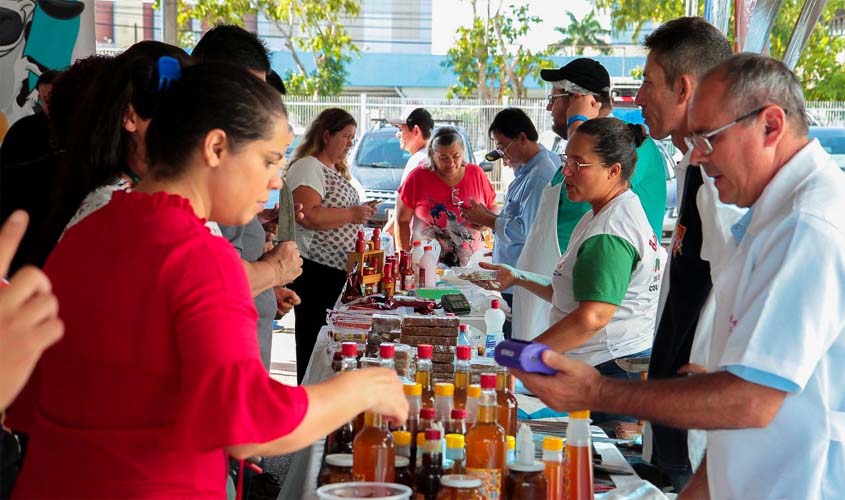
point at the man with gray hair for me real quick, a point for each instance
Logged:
(773, 397)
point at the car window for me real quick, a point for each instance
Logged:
(381, 150)
(833, 143)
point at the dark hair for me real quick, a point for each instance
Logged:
(687, 46)
(234, 45)
(70, 96)
(331, 120)
(444, 136)
(208, 97)
(275, 81)
(510, 122)
(615, 141)
(47, 77)
(754, 81)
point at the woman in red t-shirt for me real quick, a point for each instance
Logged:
(428, 206)
(159, 376)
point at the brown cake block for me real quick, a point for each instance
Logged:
(443, 357)
(442, 368)
(432, 321)
(430, 331)
(383, 323)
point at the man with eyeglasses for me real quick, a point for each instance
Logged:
(534, 166)
(773, 397)
(580, 91)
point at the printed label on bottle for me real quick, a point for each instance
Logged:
(409, 282)
(491, 482)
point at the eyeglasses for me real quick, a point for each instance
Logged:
(576, 165)
(551, 97)
(499, 153)
(702, 142)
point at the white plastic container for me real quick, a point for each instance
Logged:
(378, 491)
(494, 319)
(416, 254)
(429, 263)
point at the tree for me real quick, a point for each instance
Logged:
(306, 26)
(489, 59)
(818, 68)
(581, 34)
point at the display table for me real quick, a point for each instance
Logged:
(301, 480)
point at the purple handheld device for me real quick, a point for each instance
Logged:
(523, 356)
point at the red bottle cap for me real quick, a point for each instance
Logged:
(463, 328)
(494, 303)
(427, 413)
(361, 234)
(464, 352)
(450, 314)
(432, 434)
(424, 351)
(349, 349)
(387, 351)
(417, 243)
(459, 414)
(376, 232)
(428, 248)
(488, 380)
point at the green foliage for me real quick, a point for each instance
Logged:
(307, 26)
(489, 59)
(819, 67)
(579, 35)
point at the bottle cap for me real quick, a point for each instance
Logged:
(460, 481)
(463, 328)
(444, 389)
(494, 304)
(583, 414)
(511, 442)
(488, 380)
(402, 438)
(459, 414)
(417, 243)
(361, 234)
(420, 439)
(464, 352)
(532, 467)
(412, 389)
(386, 350)
(349, 349)
(427, 413)
(432, 434)
(428, 248)
(455, 441)
(474, 391)
(339, 460)
(424, 351)
(401, 461)
(552, 443)
(376, 232)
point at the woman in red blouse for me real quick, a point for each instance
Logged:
(429, 201)
(158, 376)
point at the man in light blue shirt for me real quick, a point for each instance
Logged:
(516, 143)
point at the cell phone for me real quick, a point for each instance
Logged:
(525, 356)
(373, 203)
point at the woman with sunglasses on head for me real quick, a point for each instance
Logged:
(605, 288)
(159, 375)
(429, 203)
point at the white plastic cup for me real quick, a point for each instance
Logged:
(370, 491)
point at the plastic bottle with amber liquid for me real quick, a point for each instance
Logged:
(374, 453)
(456, 452)
(463, 372)
(413, 393)
(423, 376)
(340, 441)
(578, 465)
(444, 403)
(458, 423)
(429, 473)
(473, 395)
(526, 477)
(507, 405)
(553, 458)
(486, 442)
(460, 487)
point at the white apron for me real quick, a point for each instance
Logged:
(539, 255)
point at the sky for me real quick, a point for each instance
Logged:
(449, 15)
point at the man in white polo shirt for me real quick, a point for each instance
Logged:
(414, 129)
(773, 399)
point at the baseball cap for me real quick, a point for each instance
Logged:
(414, 116)
(578, 76)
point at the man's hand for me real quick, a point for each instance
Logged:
(506, 277)
(576, 386)
(583, 104)
(285, 300)
(286, 261)
(29, 320)
(477, 213)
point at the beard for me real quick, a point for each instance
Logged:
(560, 129)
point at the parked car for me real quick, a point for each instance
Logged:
(832, 140)
(377, 162)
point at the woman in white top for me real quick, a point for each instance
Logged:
(319, 179)
(605, 286)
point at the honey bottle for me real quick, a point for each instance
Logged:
(485, 442)
(340, 441)
(506, 401)
(463, 355)
(374, 453)
(423, 376)
(473, 395)
(444, 393)
(578, 465)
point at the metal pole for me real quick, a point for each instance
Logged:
(810, 14)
